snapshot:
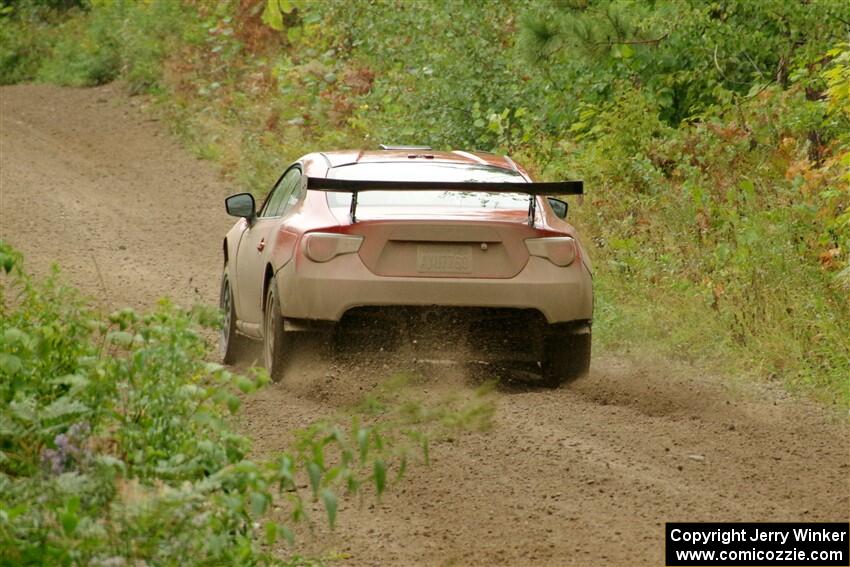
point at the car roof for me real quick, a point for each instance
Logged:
(341, 158)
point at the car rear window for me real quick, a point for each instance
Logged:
(394, 171)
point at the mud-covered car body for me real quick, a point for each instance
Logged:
(342, 232)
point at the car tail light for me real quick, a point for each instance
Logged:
(325, 246)
(560, 250)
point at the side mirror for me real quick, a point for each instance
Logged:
(560, 207)
(241, 205)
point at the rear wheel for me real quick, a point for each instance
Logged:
(231, 345)
(277, 343)
(566, 357)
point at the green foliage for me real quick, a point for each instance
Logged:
(690, 57)
(86, 54)
(836, 198)
(115, 445)
(26, 34)
(438, 65)
(64, 45)
(713, 221)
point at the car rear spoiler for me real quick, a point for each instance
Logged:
(532, 189)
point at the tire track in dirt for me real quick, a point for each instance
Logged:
(583, 475)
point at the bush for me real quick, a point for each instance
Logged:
(26, 36)
(85, 55)
(74, 45)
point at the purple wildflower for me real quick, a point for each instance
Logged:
(52, 461)
(70, 449)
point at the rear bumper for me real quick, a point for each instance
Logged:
(326, 291)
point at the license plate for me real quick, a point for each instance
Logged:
(444, 259)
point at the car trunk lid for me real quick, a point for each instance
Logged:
(445, 247)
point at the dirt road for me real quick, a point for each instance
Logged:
(584, 475)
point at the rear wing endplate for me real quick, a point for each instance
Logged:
(532, 189)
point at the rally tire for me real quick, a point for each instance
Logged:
(231, 344)
(277, 343)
